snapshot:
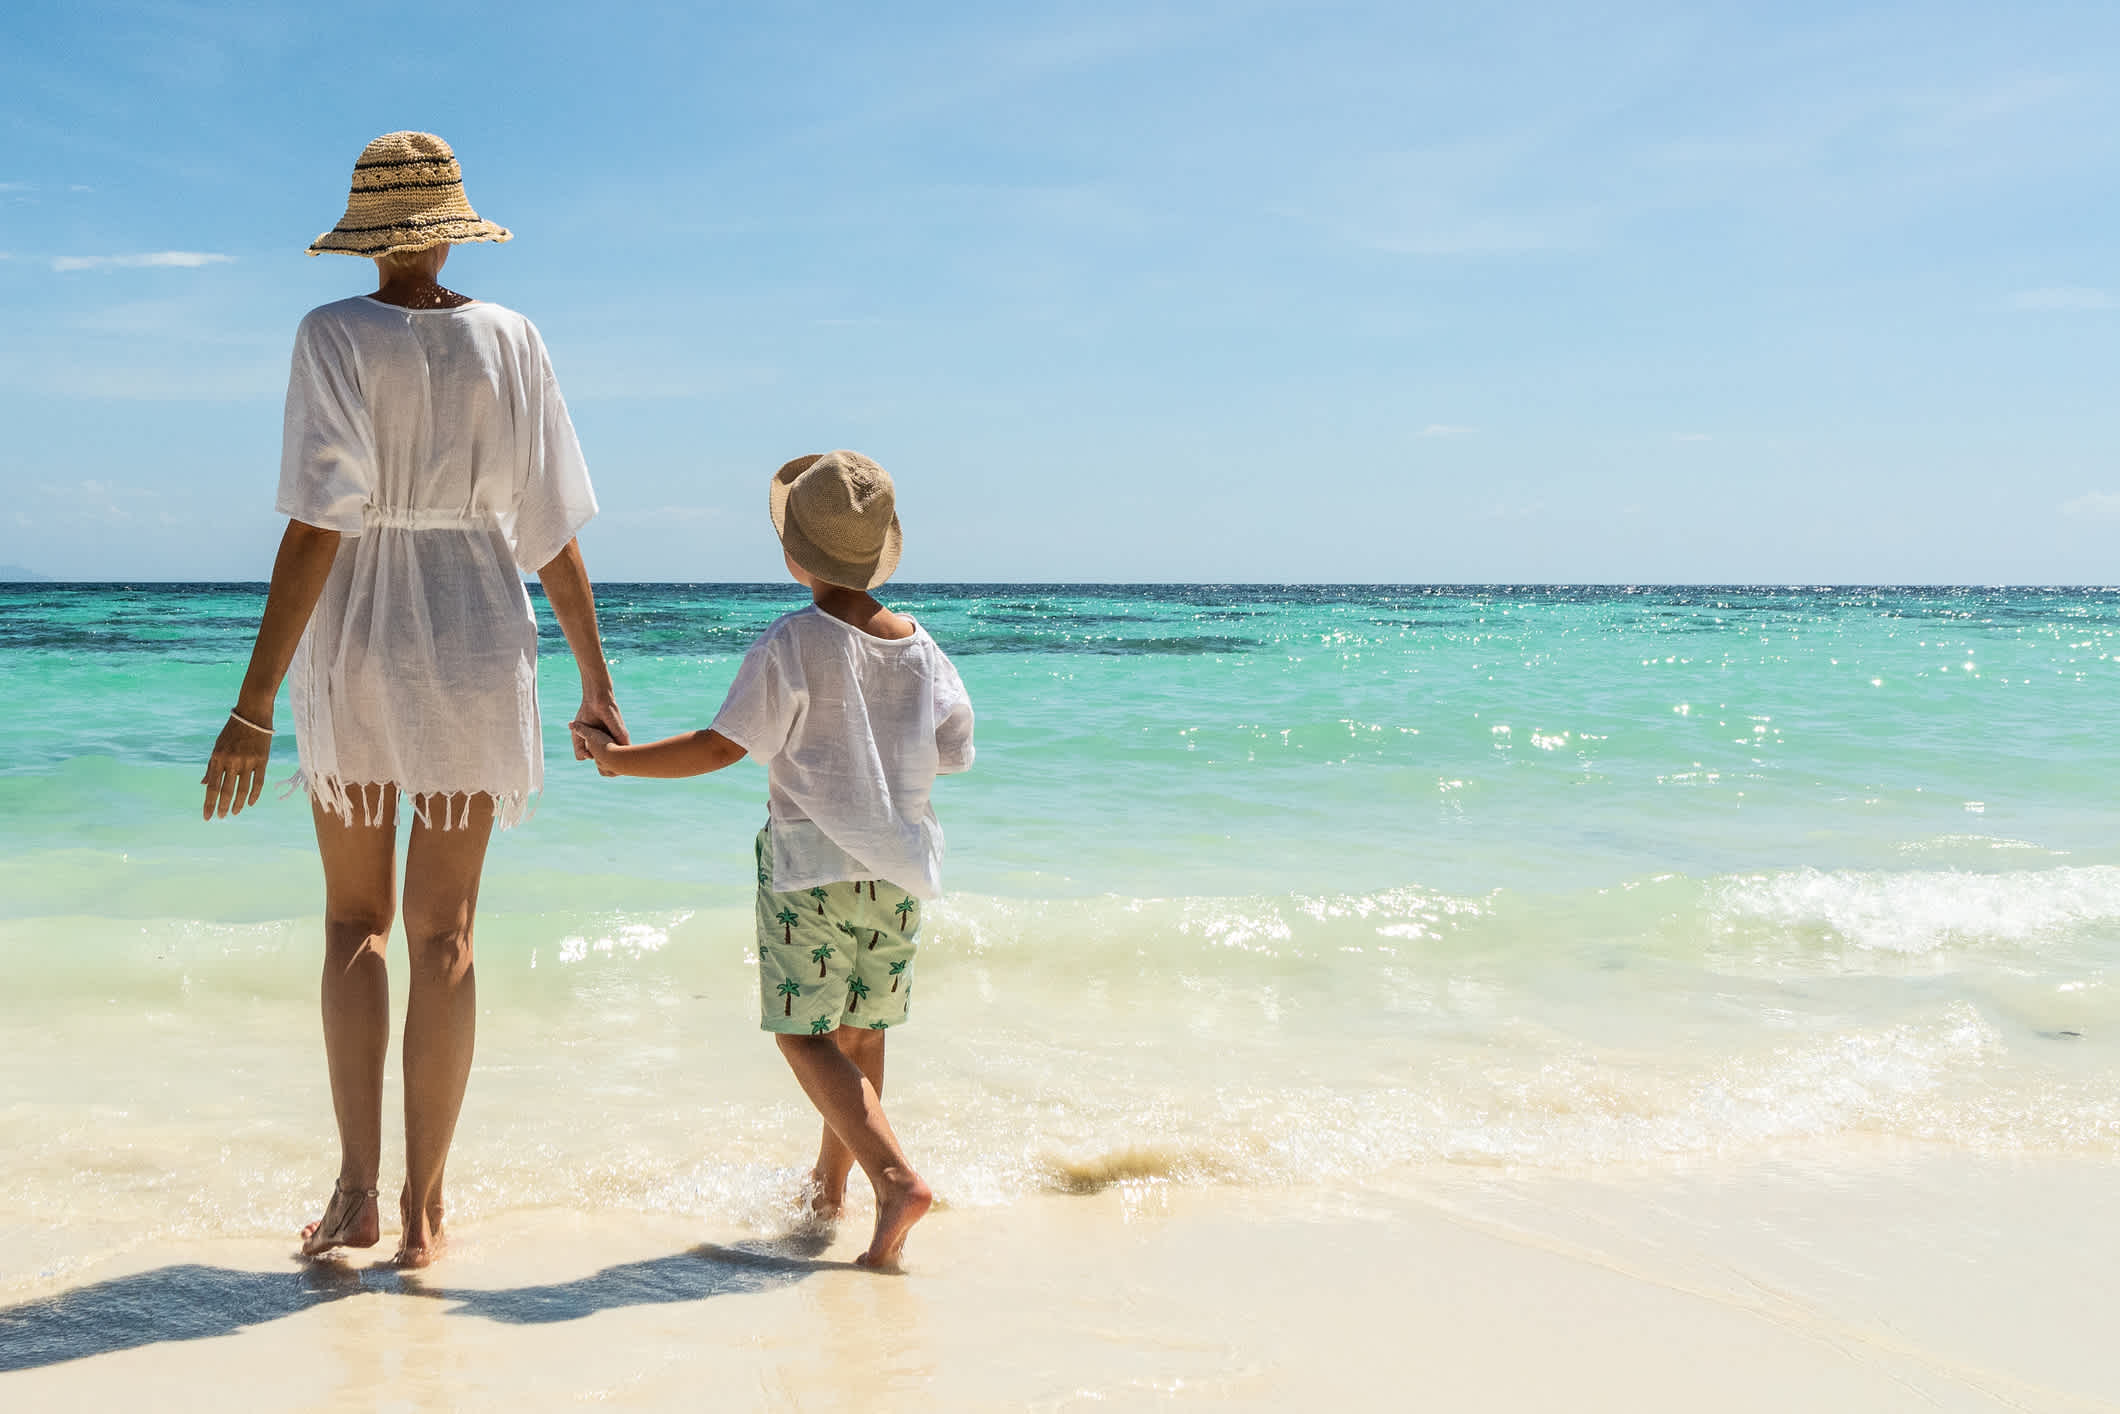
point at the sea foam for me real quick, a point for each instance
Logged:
(1916, 912)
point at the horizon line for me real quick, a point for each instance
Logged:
(1497, 584)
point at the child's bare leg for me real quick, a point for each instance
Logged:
(828, 1180)
(849, 1104)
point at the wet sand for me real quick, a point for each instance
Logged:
(1821, 1282)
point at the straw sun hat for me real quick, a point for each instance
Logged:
(408, 193)
(837, 516)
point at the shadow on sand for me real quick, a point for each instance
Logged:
(705, 1271)
(196, 1302)
(189, 1302)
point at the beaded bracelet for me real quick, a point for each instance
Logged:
(252, 725)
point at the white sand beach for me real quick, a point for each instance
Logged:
(1900, 1282)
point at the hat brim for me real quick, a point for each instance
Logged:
(456, 230)
(805, 552)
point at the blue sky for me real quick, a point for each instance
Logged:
(1124, 291)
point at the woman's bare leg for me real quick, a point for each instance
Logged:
(828, 1180)
(359, 889)
(442, 870)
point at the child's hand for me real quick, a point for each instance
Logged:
(598, 743)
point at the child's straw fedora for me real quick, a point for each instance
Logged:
(408, 194)
(837, 516)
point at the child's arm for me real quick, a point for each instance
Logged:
(691, 754)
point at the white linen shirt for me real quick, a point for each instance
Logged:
(852, 730)
(435, 441)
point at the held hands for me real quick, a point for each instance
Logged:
(595, 742)
(597, 725)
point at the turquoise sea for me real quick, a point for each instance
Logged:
(1256, 885)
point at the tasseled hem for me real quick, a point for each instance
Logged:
(370, 801)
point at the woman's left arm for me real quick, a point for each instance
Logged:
(566, 581)
(235, 774)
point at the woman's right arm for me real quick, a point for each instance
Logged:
(235, 774)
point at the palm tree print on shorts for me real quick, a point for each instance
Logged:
(787, 919)
(897, 972)
(821, 1025)
(856, 990)
(819, 895)
(821, 954)
(790, 989)
(905, 906)
(872, 890)
(879, 1025)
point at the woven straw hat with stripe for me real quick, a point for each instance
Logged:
(408, 193)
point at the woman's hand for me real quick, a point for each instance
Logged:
(235, 773)
(602, 714)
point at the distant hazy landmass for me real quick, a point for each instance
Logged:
(15, 574)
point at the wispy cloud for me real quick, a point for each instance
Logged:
(16, 186)
(141, 369)
(1445, 429)
(179, 259)
(1949, 116)
(2062, 297)
(986, 63)
(97, 502)
(1478, 196)
(183, 320)
(1691, 437)
(1515, 506)
(2093, 503)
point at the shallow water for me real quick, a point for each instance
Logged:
(1295, 886)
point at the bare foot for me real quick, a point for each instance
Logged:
(823, 1201)
(423, 1242)
(350, 1220)
(902, 1199)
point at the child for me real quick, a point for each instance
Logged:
(854, 710)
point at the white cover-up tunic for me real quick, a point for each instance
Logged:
(436, 442)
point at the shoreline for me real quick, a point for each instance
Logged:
(1922, 1280)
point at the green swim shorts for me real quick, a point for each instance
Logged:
(838, 954)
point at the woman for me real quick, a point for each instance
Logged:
(428, 462)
